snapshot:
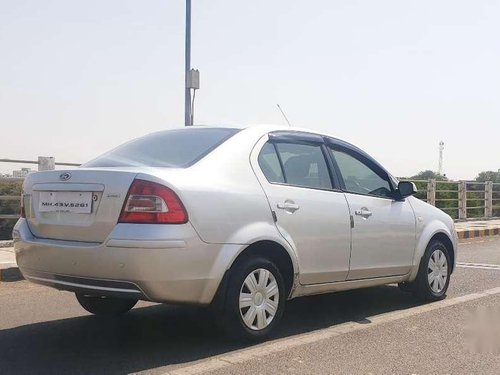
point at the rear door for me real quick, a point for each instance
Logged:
(311, 214)
(383, 234)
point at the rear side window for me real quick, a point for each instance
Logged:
(270, 164)
(303, 165)
(177, 148)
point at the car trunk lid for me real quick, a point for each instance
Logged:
(76, 205)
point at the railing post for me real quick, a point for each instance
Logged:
(488, 199)
(431, 191)
(46, 163)
(462, 199)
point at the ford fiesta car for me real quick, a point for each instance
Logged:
(240, 219)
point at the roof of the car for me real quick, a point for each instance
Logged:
(269, 128)
(266, 128)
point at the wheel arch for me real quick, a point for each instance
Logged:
(276, 253)
(434, 230)
(280, 254)
(441, 236)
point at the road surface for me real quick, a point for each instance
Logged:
(373, 331)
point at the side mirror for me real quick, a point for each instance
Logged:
(406, 188)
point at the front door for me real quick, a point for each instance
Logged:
(383, 234)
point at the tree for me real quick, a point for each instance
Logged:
(428, 174)
(488, 176)
(9, 207)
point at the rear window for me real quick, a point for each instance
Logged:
(178, 148)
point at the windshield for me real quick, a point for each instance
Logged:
(178, 148)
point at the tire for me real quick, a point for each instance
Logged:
(264, 294)
(434, 273)
(105, 306)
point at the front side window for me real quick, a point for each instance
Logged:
(304, 165)
(360, 178)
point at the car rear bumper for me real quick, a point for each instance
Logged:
(175, 268)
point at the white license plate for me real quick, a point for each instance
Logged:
(65, 201)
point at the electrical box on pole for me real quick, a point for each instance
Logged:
(193, 79)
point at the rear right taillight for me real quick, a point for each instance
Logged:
(148, 202)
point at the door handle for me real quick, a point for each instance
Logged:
(288, 206)
(363, 212)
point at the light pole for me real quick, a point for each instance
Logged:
(188, 121)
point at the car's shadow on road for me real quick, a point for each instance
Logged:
(160, 335)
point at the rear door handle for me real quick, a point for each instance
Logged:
(363, 212)
(288, 206)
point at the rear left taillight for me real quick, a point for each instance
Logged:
(151, 203)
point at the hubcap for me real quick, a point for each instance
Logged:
(259, 298)
(437, 272)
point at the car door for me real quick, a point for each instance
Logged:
(383, 232)
(310, 213)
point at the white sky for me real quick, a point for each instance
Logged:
(393, 77)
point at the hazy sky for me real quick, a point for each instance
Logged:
(393, 77)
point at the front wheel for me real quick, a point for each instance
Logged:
(110, 306)
(255, 299)
(433, 276)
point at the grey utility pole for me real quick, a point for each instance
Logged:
(188, 120)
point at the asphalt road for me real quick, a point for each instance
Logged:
(377, 330)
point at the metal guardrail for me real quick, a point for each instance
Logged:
(461, 199)
(18, 161)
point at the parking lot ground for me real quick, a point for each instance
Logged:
(377, 330)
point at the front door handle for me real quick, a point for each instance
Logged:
(288, 206)
(363, 212)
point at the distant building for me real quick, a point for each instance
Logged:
(21, 173)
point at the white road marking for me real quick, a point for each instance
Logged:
(480, 266)
(322, 334)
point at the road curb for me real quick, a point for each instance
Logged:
(476, 233)
(10, 274)
(7, 243)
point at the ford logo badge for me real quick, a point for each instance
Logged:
(65, 176)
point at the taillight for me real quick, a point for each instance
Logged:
(23, 211)
(151, 203)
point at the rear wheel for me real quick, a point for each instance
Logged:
(433, 276)
(255, 299)
(100, 305)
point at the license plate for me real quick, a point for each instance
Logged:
(65, 201)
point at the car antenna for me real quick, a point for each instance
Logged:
(283, 113)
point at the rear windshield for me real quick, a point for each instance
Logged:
(177, 148)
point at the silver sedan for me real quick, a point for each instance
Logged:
(239, 219)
